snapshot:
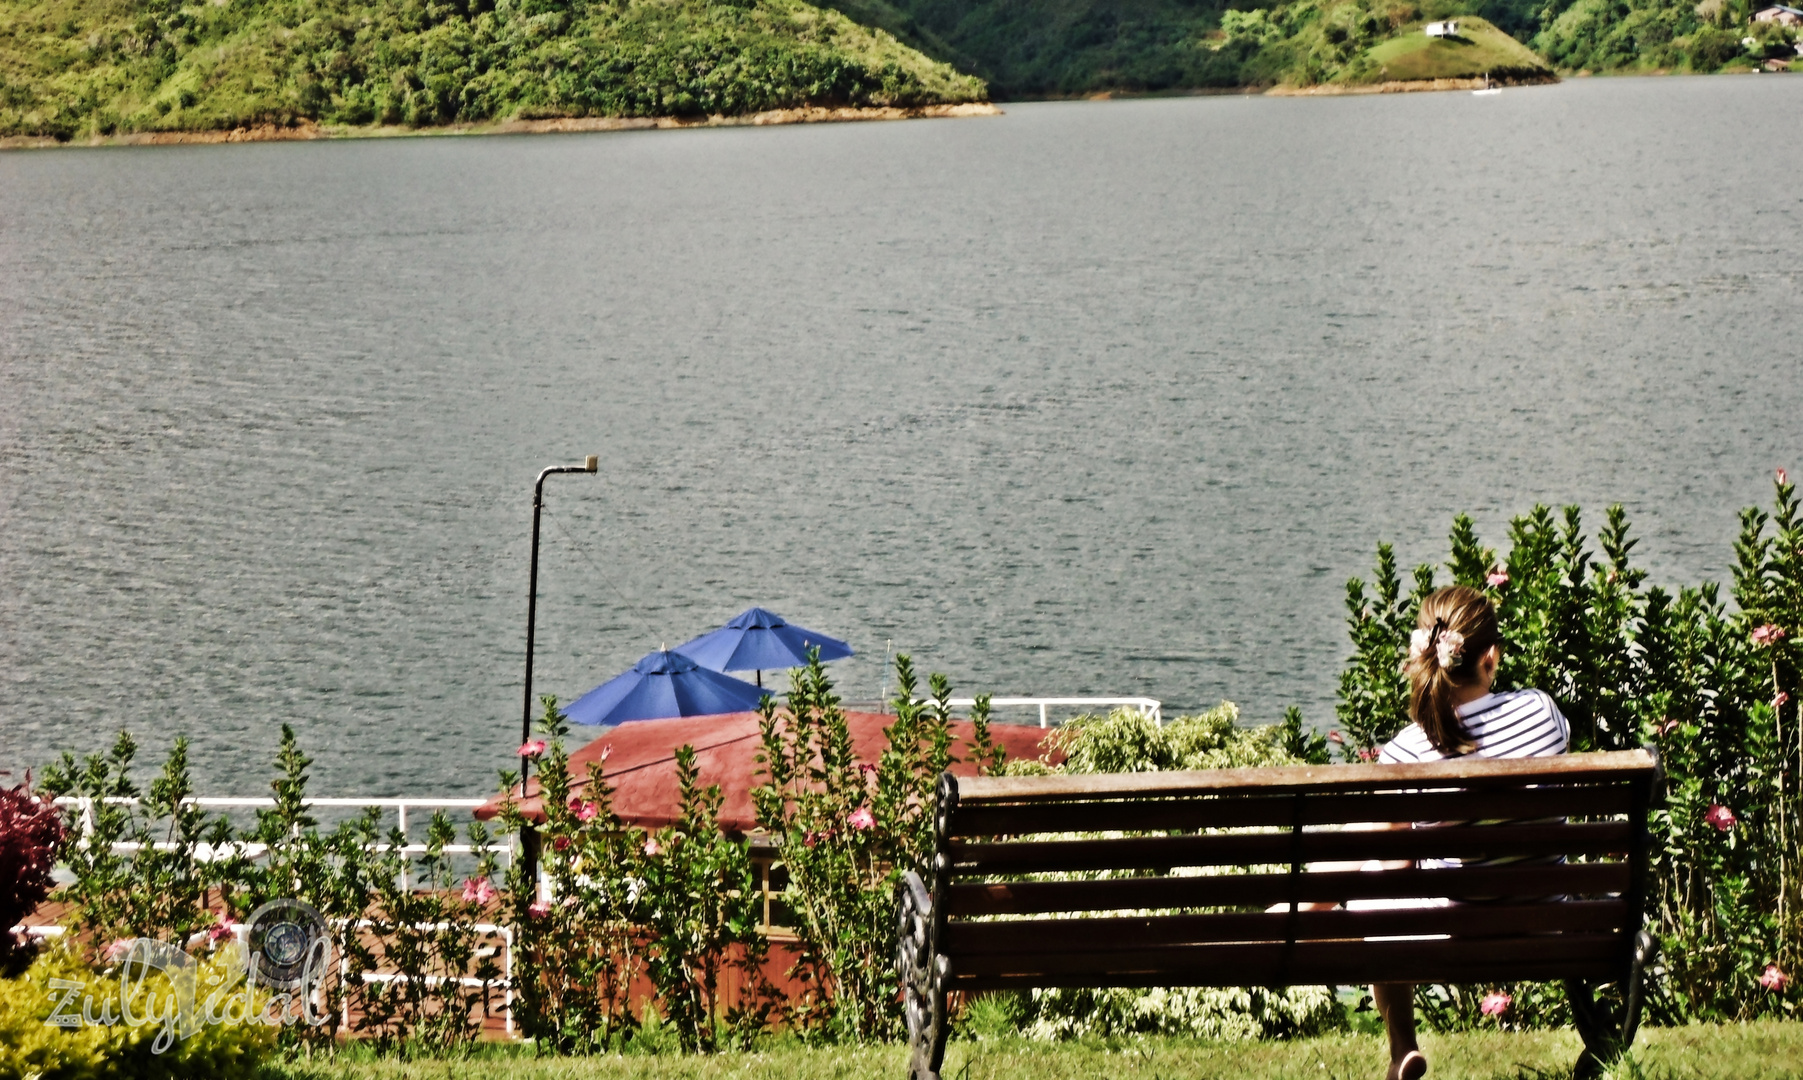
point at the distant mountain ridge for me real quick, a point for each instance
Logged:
(73, 68)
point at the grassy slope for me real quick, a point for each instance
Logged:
(1756, 1051)
(1478, 49)
(71, 67)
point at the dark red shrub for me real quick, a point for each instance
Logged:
(31, 831)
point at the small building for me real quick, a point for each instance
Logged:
(1449, 28)
(1780, 14)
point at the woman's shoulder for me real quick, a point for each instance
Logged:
(1527, 720)
(1527, 697)
(1410, 744)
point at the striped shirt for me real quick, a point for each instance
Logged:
(1521, 723)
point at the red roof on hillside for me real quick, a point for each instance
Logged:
(642, 763)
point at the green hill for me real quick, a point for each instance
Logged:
(1034, 48)
(78, 67)
(1479, 49)
(1351, 43)
(1028, 48)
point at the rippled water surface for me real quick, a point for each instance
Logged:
(1100, 397)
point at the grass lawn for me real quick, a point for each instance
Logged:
(1479, 48)
(1744, 1052)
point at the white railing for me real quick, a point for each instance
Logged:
(484, 929)
(248, 849)
(1151, 707)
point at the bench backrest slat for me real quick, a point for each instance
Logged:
(1243, 890)
(1611, 767)
(978, 859)
(1217, 812)
(1525, 957)
(1145, 931)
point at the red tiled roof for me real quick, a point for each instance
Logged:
(642, 763)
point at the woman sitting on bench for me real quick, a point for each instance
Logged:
(1453, 655)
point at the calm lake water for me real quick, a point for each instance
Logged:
(1095, 397)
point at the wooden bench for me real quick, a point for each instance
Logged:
(1184, 903)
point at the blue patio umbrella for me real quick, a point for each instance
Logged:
(756, 639)
(663, 684)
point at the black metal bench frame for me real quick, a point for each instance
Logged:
(986, 923)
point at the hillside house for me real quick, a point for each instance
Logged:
(1780, 14)
(1449, 28)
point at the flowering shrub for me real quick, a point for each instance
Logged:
(189, 874)
(1710, 685)
(700, 909)
(30, 832)
(679, 906)
(161, 888)
(577, 950)
(847, 830)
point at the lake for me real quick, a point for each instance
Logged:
(1090, 398)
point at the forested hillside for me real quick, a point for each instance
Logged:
(1066, 47)
(82, 67)
(76, 67)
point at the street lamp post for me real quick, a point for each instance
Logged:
(529, 835)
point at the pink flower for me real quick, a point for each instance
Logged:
(1336, 737)
(606, 752)
(584, 811)
(1768, 635)
(1369, 753)
(1498, 578)
(220, 930)
(562, 843)
(1774, 979)
(652, 847)
(861, 819)
(478, 891)
(532, 749)
(538, 909)
(1720, 816)
(1783, 478)
(118, 947)
(1667, 728)
(1781, 700)
(866, 769)
(1495, 1003)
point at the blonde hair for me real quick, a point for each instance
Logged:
(1457, 626)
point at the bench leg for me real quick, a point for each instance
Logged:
(1604, 1039)
(1646, 948)
(927, 1028)
(1595, 1026)
(924, 976)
